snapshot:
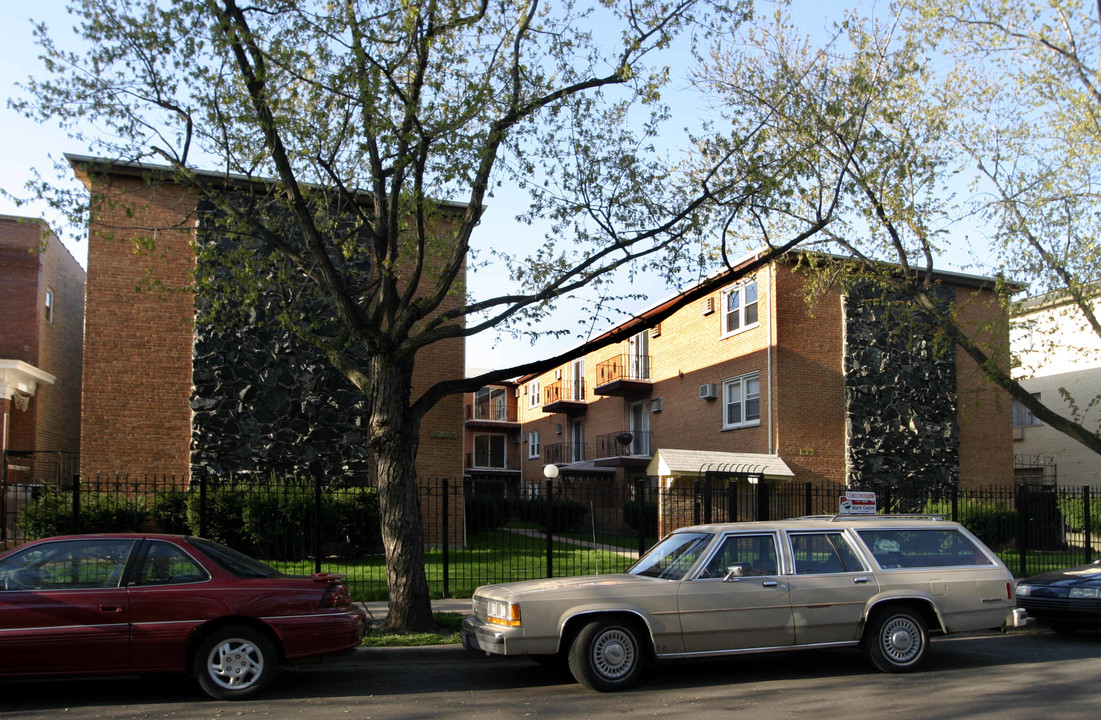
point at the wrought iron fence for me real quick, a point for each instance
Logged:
(492, 530)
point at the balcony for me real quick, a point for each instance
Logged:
(627, 448)
(564, 453)
(491, 415)
(564, 397)
(478, 463)
(624, 376)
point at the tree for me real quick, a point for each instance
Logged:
(900, 105)
(362, 140)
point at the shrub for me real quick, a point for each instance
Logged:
(169, 512)
(566, 515)
(1073, 509)
(649, 517)
(52, 513)
(485, 512)
(995, 524)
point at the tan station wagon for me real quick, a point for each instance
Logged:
(882, 582)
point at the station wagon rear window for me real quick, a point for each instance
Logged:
(922, 548)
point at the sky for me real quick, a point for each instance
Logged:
(29, 146)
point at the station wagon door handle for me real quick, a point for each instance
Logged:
(770, 583)
(860, 580)
(110, 608)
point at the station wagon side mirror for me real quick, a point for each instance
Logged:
(733, 572)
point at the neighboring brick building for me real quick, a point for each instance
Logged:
(753, 380)
(144, 385)
(41, 329)
(491, 440)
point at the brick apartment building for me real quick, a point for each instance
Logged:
(155, 397)
(753, 381)
(41, 331)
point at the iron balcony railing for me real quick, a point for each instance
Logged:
(475, 461)
(564, 452)
(491, 412)
(623, 367)
(625, 443)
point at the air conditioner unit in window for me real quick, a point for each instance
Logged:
(655, 405)
(710, 391)
(708, 306)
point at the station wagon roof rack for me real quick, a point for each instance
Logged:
(889, 516)
(871, 518)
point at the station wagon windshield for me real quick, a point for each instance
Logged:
(673, 557)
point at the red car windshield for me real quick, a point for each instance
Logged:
(235, 562)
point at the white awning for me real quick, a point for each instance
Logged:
(18, 376)
(672, 462)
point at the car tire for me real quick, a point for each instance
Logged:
(606, 655)
(235, 663)
(896, 640)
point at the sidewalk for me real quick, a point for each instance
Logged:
(378, 610)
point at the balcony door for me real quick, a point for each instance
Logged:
(638, 356)
(640, 428)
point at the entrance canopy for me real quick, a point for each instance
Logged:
(671, 463)
(17, 376)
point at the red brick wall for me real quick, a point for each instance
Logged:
(809, 379)
(33, 259)
(137, 380)
(985, 410)
(136, 415)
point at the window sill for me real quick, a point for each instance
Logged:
(742, 426)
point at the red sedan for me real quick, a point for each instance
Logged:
(129, 603)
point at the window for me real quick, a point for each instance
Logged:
(49, 305)
(67, 565)
(166, 564)
(821, 553)
(1022, 416)
(922, 548)
(742, 401)
(533, 444)
(491, 403)
(576, 390)
(743, 555)
(533, 393)
(740, 308)
(489, 451)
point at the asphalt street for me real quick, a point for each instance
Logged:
(1016, 676)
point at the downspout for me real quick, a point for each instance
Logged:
(768, 353)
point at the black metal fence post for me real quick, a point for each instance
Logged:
(640, 499)
(1022, 530)
(445, 501)
(202, 505)
(1087, 530)
(762, 499)
(76, 503)
(955, 504)
(317, 523)
(550, 528)
(4, 497)
(808, 499)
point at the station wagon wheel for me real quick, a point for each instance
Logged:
(896, 640)
(606, 656)
(235, 663)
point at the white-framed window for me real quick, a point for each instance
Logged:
(533, 394)
(1022, 416)
(739, 307)
(742, 401)
(491, 403)
(49, 305)
(489, 451)
(577, 441)
(533, 444)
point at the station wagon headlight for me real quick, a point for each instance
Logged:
(500, 612)
(1084, 592)
(1023, 590)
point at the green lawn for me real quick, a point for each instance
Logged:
(490, 557)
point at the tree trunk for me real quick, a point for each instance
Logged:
(395, 434)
